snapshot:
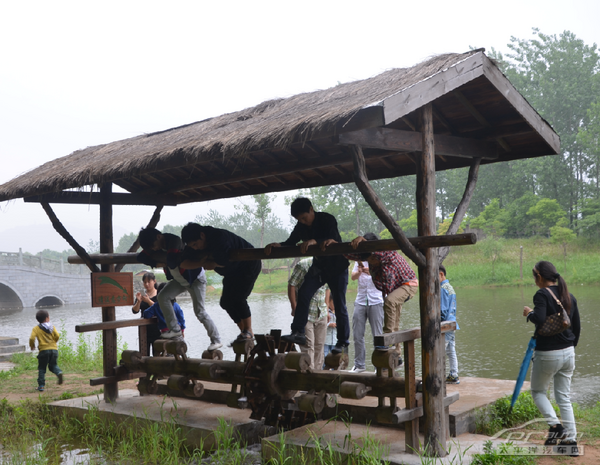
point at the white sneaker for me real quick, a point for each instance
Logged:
(171, 335)
(215, 346)
(357, 370)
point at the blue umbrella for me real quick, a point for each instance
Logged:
(522, 372)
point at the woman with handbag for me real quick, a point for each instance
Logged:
(554, 357)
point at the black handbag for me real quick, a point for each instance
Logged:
(555, 323)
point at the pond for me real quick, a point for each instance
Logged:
(490, 343)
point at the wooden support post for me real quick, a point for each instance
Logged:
(411, 428)
(109, 336)
(60, 229)
(362, 182)
(461, 210)
(429, 295)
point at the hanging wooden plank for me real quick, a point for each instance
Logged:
(414, 97)
(429, 299)
(495, 76)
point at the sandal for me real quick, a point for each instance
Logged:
(244, 336)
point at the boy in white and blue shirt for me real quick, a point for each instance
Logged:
(448, 313)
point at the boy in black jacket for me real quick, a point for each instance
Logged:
(167, 248)
(210, 247)
(318, 228)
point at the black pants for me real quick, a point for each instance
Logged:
(237, 286)
(47, 359)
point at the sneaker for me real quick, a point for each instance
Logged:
(214, 346)
(40, 388)
(571, 447)
(171, 334)
(295, 338)
(452, 379)
(555, 433)
(355, 369)
(338, 349)
(60, 378)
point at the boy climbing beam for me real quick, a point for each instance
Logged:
(318, 228)
(210, 247)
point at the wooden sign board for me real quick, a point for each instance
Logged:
(112, 289)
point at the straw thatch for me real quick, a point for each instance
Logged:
(275, 124)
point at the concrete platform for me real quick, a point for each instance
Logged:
(199, 419)
(345, 439)
(476, 393)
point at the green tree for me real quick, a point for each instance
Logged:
(409, 225)
(491, 220)
(557, 75)
(560, 234)
(444, 225)
(518, 222)
(492, 249)
(589, 140)
(545, 214)
(125, 242)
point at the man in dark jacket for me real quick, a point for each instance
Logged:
(210, 247)
(318, 228)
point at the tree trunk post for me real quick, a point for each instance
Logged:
(433, 360)
(109, 336)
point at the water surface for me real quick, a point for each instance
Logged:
(490, 344)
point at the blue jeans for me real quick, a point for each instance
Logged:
(556, 365)
(359, 322)
(451, 353)
(197, 290)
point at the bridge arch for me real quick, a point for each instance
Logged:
(10, 298)
(49, 301)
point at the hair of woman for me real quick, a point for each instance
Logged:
(548, 271)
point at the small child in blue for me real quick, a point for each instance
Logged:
(448, 313)
(155, 310)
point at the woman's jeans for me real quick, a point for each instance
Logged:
(556, 365)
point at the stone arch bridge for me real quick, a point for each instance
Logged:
(33, 281)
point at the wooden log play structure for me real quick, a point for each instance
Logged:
(452, 111)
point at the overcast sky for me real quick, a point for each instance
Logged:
(77, 74)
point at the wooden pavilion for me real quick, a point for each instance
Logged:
(451, 111)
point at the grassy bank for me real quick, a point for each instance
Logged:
(474, 266)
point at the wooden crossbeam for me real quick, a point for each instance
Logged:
(404, 415)
(291, 252)
(115, 324)
(390, 339)
(410, 141)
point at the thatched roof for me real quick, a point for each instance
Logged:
(294, 142)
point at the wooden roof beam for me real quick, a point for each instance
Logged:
(408, 141)
(93, 198)
(479, 117)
